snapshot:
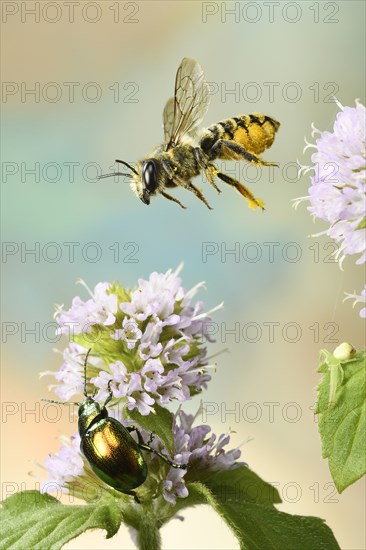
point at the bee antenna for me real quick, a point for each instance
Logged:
(114, 174)
(85, 362)
(128, 166)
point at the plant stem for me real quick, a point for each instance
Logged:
(148, 534)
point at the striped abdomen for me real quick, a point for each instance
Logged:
(254, 132)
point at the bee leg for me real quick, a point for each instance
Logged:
(182, 183)
(252, 201)
(197, 192)
(209, 169)
(234, 151)
(167, 196)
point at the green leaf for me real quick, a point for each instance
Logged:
(242, 484)
(32, 520)
(245, 502)
(160, 424)
(342, 427)
(258, 526)
(196, 496)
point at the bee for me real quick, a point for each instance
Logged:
(186, 151)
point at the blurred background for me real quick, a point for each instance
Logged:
(86, 85)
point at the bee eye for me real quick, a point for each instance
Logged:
(150, 176)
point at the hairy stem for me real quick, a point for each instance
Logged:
(148, 534)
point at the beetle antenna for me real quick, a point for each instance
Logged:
(128, 166)
(62, 402)
(85, 362)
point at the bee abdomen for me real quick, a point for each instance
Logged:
(254, 132)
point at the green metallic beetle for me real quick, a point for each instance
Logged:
(114, 456)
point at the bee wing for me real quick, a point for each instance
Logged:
(184, 112)
(168, 119)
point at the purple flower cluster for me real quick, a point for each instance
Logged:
(338, 184)
(64, 467)
(71, 373)
(100, 309)
(201, 451)
(146, 345)
(147, 348)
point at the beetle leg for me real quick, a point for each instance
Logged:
(146, 447)
(134, 495)
(130, 428)
(139, 436)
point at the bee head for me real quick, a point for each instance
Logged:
(150, 170)
(144, 178)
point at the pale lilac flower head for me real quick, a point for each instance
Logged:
(156, 298)
(100, 309)
(338, 184)
(64, 466)
(129, 332)
(147, 345)
(71, 373)
(198, 449)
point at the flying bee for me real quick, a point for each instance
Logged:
(186, 152)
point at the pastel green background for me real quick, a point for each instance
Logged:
(305, 292)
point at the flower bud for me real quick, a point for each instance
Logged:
(344, 352)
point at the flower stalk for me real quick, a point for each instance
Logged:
(148, 533)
